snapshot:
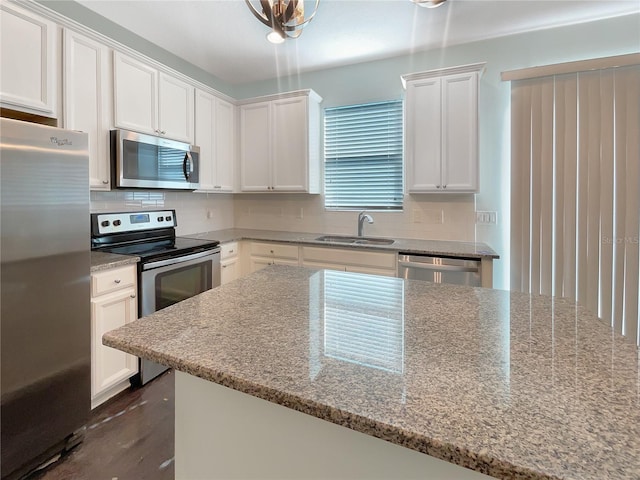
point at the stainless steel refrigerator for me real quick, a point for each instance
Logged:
(45, 299)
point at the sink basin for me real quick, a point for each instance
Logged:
(355, 240)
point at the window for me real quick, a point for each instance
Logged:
(363, 156)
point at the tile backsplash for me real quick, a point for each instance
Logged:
(436, 217)
(450, 217)
(195, 212)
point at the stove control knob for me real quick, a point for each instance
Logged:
(160, 219)
(105, 223)
(168, 219)
(116, 223)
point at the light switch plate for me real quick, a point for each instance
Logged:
(486, 218)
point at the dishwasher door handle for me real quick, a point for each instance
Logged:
(442, 268)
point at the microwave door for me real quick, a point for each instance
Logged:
(145, 161)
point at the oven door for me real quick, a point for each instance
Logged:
(170, 281)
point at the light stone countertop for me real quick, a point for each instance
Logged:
(508, 384)
(104, 261)
(416, 246)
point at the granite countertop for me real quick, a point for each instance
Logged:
(430, 247)
(508, 384)
(105, 261)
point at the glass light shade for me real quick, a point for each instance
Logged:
(274, 37)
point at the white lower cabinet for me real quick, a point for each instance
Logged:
(229, 262)
(113, 304)
(350, 260)
(263, 254)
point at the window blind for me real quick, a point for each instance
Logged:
(575, 191)
(364, 320)
(363, 156)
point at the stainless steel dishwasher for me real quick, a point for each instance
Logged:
(459, 271)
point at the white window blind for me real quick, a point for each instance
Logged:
(575, 191)
(363, 156)
(364, 320)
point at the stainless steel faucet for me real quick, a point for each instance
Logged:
(361, 218)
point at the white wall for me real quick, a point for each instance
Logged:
(380, 80)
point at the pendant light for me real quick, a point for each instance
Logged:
(286, 18)
(429, 3)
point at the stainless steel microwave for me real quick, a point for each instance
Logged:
(147, 161)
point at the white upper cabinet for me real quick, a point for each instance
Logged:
(279, 144)
(255, 147)
(29, 73)
(215, 135)
(175, 108)
(87, 100)
(149, 101)
(441, 130)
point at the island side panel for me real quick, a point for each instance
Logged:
(225, 434)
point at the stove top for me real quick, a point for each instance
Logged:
(155, 250)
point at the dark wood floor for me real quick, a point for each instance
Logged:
(130, 437)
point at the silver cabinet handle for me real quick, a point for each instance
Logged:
(133, 295)
(105, 182)
(223, 266)
(117, 280)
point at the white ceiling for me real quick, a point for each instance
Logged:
(223, 38)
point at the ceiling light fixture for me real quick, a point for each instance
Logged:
(285, 17)
(429, 3)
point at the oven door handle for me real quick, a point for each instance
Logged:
(180, 259)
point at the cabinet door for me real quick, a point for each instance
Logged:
(175, 108)
(87, 99)
(290, 160)
(204, 138)
(110, 366)
(423, 136)
(229, 270)
(136, 95)
(255, 147)
(28, 47)
(225, 139)
(460, 135)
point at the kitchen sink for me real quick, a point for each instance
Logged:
(355, 240)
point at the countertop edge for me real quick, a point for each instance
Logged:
(445, 451)
(101, 261)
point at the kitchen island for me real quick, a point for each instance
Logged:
(505, 384)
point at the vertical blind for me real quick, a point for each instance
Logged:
(575, 191)
(363, 156)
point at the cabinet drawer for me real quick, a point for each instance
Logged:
(274, 250)
(112, 280)
(228, 250)
(354, 256)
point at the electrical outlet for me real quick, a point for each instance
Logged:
(417, 216)
(486, 218)
(209, 214)
(301, 213)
